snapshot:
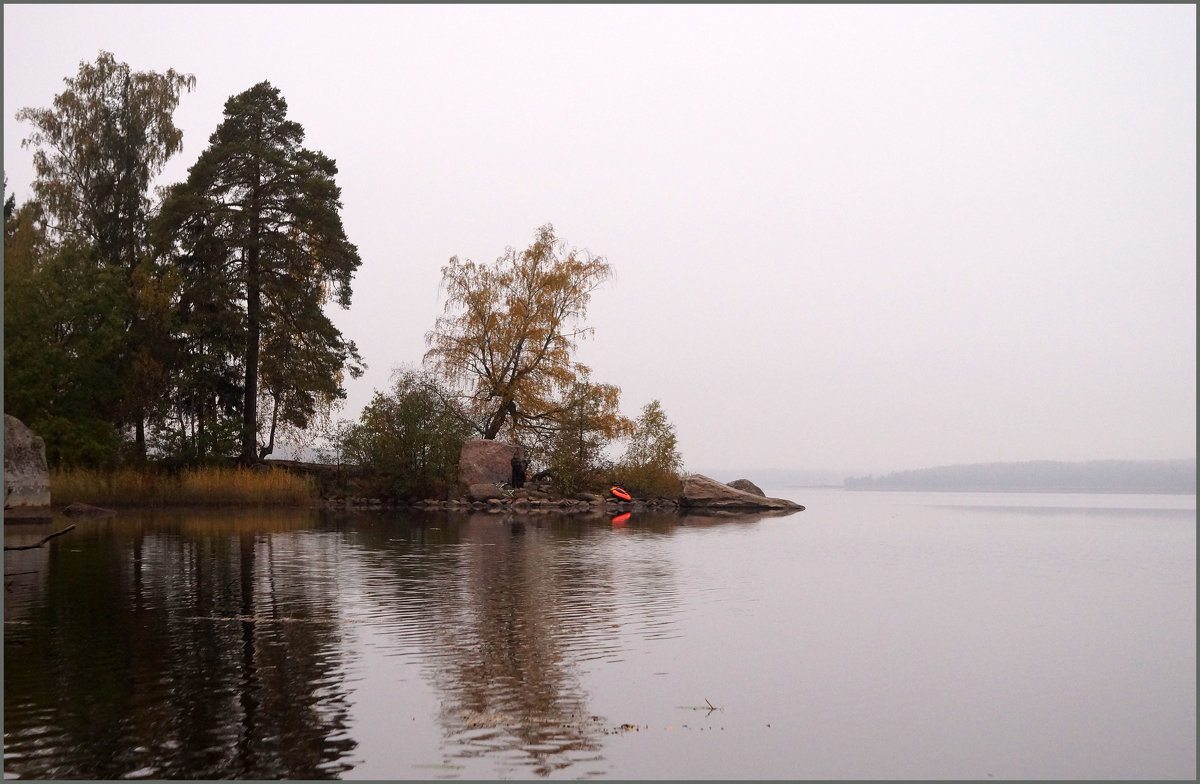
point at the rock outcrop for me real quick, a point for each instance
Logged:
(746, 486)
(26, 476)
(701, 492)
(485, 462)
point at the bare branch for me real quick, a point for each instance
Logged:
(45, 539)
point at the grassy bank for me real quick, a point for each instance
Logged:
(196, 487)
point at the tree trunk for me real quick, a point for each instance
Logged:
(140, 436)
(270, 446)
(497, 420)
(253, 315)
(253, 327)
(198, 430)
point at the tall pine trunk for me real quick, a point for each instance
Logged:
(253, 317)
(254, 327)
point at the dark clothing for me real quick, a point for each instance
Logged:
(518, 472)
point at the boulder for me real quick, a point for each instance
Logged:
(483, 491)
(486, 462)
(746, 486)
(701, 492)
(26, 476)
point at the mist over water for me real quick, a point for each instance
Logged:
(874, 635)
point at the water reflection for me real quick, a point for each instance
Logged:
(506, 610)
(178, 647)
(216, 645)
(24, 570)
(506, 681)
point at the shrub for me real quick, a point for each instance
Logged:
(648, 481)
(82, 441)
(652, 464)
(413, 436)
(583, 429)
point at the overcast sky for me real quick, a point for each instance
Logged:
(859, 238)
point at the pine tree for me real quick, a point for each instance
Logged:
(266, 212)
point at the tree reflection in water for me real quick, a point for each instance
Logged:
(179, 648)
(508, 686)
(507, 609)
(220, 645)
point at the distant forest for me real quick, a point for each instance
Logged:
(1097, 476)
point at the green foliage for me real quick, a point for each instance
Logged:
(652, 464)
(92, 305)
(62, 333)
(413, 435)
(257, 223)
(200, 323)
(80, 440)
(27, 320)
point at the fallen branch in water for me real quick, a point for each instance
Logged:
(45, 539)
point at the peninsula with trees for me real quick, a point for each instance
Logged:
(183, 330)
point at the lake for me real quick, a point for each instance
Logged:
(874, 635)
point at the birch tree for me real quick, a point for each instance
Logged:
(507, 337)
(96, 151)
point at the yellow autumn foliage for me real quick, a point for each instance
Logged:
(508, 334)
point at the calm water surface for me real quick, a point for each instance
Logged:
(874, 635)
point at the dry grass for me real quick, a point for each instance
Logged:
(197, 487)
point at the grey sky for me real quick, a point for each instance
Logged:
(864, 238)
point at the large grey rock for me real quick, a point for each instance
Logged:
(26, 476)
(701, 492)
(483, 491)
(746, 486)
(486, 462)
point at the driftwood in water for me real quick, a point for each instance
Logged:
(45, 539)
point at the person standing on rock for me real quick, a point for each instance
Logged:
(518, 470)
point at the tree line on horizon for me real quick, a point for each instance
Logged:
(1094, 476)
(187, 326)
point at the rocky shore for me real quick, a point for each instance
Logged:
(534, 499)
(484, 474)
(484, 470)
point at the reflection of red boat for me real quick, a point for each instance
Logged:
(621, 519)
(619, 492)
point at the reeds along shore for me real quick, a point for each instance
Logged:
(193, 487)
